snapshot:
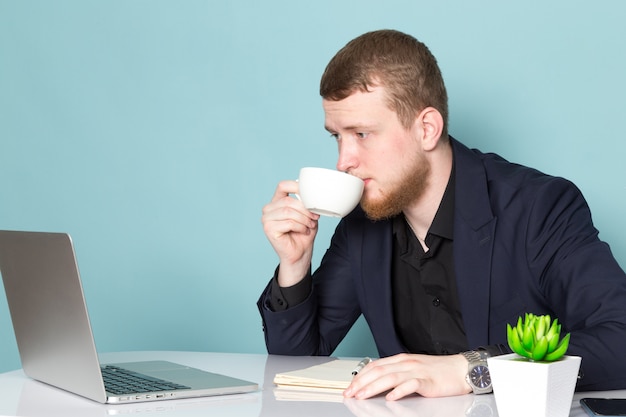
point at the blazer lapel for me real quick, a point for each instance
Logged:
(374, 246)
(474, 233)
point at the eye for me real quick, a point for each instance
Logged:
(335, 136)
(362, 135)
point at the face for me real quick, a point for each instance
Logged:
(374, 146)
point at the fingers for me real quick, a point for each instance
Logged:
(405, 374)
(408, 387)
(380, 376)
(284, 188)
(285, 214)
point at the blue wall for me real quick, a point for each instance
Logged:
(154, 131)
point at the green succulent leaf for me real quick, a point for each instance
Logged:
(528, 338)
(559, 351)
(520, 328)
(540, 328)
(540, 350)
(514, 340)
(553, 341)
(554, 329)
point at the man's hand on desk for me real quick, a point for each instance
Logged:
(405, 374)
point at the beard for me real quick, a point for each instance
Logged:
(408, 189)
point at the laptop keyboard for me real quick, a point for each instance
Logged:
(122, 381)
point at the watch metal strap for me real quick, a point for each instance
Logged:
(472, 356)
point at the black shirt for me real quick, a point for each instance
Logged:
(426, 303)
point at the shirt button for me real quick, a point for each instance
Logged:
(436, 302)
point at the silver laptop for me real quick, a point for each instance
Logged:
(54, 336)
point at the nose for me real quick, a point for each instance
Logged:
(347, 160)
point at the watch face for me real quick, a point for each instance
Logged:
(480, 376)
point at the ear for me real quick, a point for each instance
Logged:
(430, 124)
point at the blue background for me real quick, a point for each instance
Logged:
(154, 131)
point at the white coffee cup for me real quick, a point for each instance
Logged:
(329, 192)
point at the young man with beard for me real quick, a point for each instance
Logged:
(447, 247)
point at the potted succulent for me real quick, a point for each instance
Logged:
(539, 370)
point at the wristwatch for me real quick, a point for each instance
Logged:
(478, 376)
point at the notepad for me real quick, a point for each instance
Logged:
(290, 393)
(333, 375)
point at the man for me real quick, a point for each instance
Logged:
(447, 247)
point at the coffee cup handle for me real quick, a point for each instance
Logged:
(296, 195)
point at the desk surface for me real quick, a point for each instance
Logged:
(21, 396)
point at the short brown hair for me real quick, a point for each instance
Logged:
(396, 61)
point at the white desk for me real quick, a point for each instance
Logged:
(21, 396)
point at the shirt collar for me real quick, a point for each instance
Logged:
(443, 223)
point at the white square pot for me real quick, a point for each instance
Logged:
(540, 389)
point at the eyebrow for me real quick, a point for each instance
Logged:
(355, 126)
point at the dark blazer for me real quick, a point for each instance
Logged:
(523, 242)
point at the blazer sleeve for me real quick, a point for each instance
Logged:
(581, 281)
(318, 324)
